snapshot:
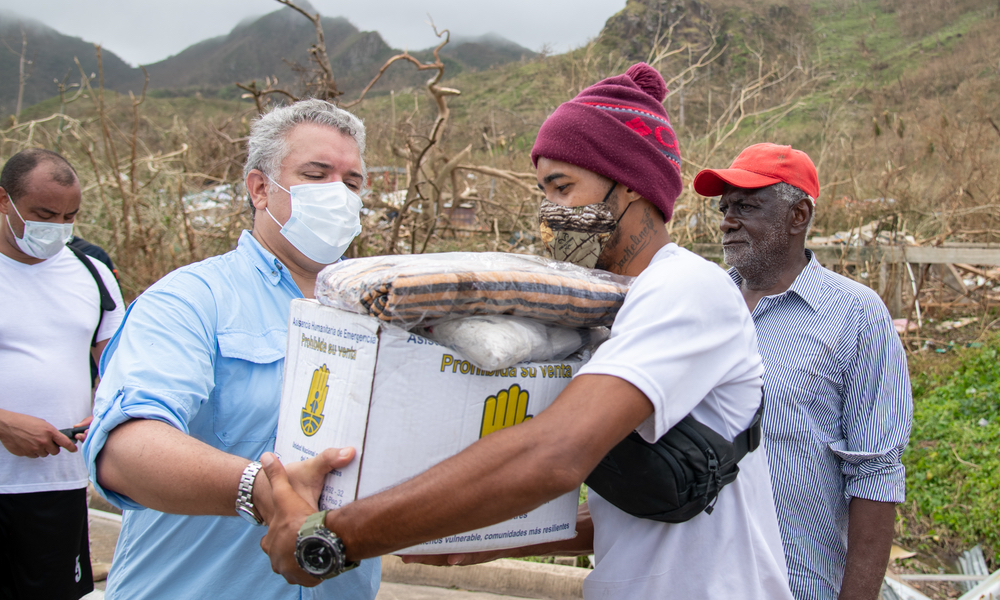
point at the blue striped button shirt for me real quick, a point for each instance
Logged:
(836, 416)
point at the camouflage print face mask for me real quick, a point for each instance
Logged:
(577, 234)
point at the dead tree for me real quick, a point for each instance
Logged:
(260, 94)
(317, 81)
(23, 71)
(322, 84)
(425, 183)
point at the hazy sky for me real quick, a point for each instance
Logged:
(143, 31)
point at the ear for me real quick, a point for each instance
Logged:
(629, 196)
(4, 201)
(800, 215)
(257, 188)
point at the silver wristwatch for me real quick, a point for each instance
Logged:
(244, 495)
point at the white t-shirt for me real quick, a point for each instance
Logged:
(685, 338)
(47, 321)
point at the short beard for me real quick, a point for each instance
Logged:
(760, 261)
(604, 261)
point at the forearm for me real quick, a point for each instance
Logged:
(7, 419)
(510, 478)
(31, 437)
(505, 474)
(869, 540)
(164, 469)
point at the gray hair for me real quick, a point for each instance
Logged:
(791, 195)
(267, 145)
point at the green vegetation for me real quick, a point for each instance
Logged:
(953, 460)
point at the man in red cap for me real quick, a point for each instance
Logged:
(682, 344)
(838, 405)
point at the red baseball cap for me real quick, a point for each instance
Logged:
(759, 166)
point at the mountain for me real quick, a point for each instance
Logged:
(51, 57)
(270, 46)
(485, 51)
(274, 45)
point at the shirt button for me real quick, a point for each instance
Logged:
(274, 272)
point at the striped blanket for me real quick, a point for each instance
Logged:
(407, 290)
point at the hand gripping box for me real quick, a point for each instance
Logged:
(406, 403)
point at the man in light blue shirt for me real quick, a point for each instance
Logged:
(191, 382)
(838, 405)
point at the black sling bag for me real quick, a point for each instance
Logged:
(677, 477)
(107, 303)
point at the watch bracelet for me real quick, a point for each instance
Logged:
(313, 522)
(244, 491)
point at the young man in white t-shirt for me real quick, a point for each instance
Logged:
(51, 310)
(681, 344)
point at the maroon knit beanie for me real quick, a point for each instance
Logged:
(618, 128)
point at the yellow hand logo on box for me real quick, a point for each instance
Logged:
(312, 412)
(508, 407)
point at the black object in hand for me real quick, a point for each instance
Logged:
(72, 431)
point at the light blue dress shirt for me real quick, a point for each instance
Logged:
(837, 414)
(203, 350)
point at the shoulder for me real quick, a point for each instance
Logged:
(67, 262)
(209, 273)
(679, 270)
(679, 285)
(204, 285)
(92, 250)
(681, 261)
(102, 268)
(848, 294)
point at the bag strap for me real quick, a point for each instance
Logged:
(107, 303)
(749, 439)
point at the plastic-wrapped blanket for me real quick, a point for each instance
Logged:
(499, 341)
(407, 290)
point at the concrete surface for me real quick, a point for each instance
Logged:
(515, 578)
(401, 591)
(492, 581)
(396, 591)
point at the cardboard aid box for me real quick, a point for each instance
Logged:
(406, 403)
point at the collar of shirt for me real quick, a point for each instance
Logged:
(808, 285)
(265, 262)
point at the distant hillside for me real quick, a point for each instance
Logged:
(51, 54)
(268, 46)
(892, 98)
(485, 51)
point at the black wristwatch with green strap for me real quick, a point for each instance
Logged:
(319, 551)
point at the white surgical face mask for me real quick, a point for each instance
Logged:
(325, 218)
(41, 240)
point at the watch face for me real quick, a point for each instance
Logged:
(317, 556)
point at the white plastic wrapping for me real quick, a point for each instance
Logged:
(422, 289)
(495, 342)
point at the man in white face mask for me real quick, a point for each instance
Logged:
(191, 383)
(51, 311)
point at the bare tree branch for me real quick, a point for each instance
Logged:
(326, 86)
